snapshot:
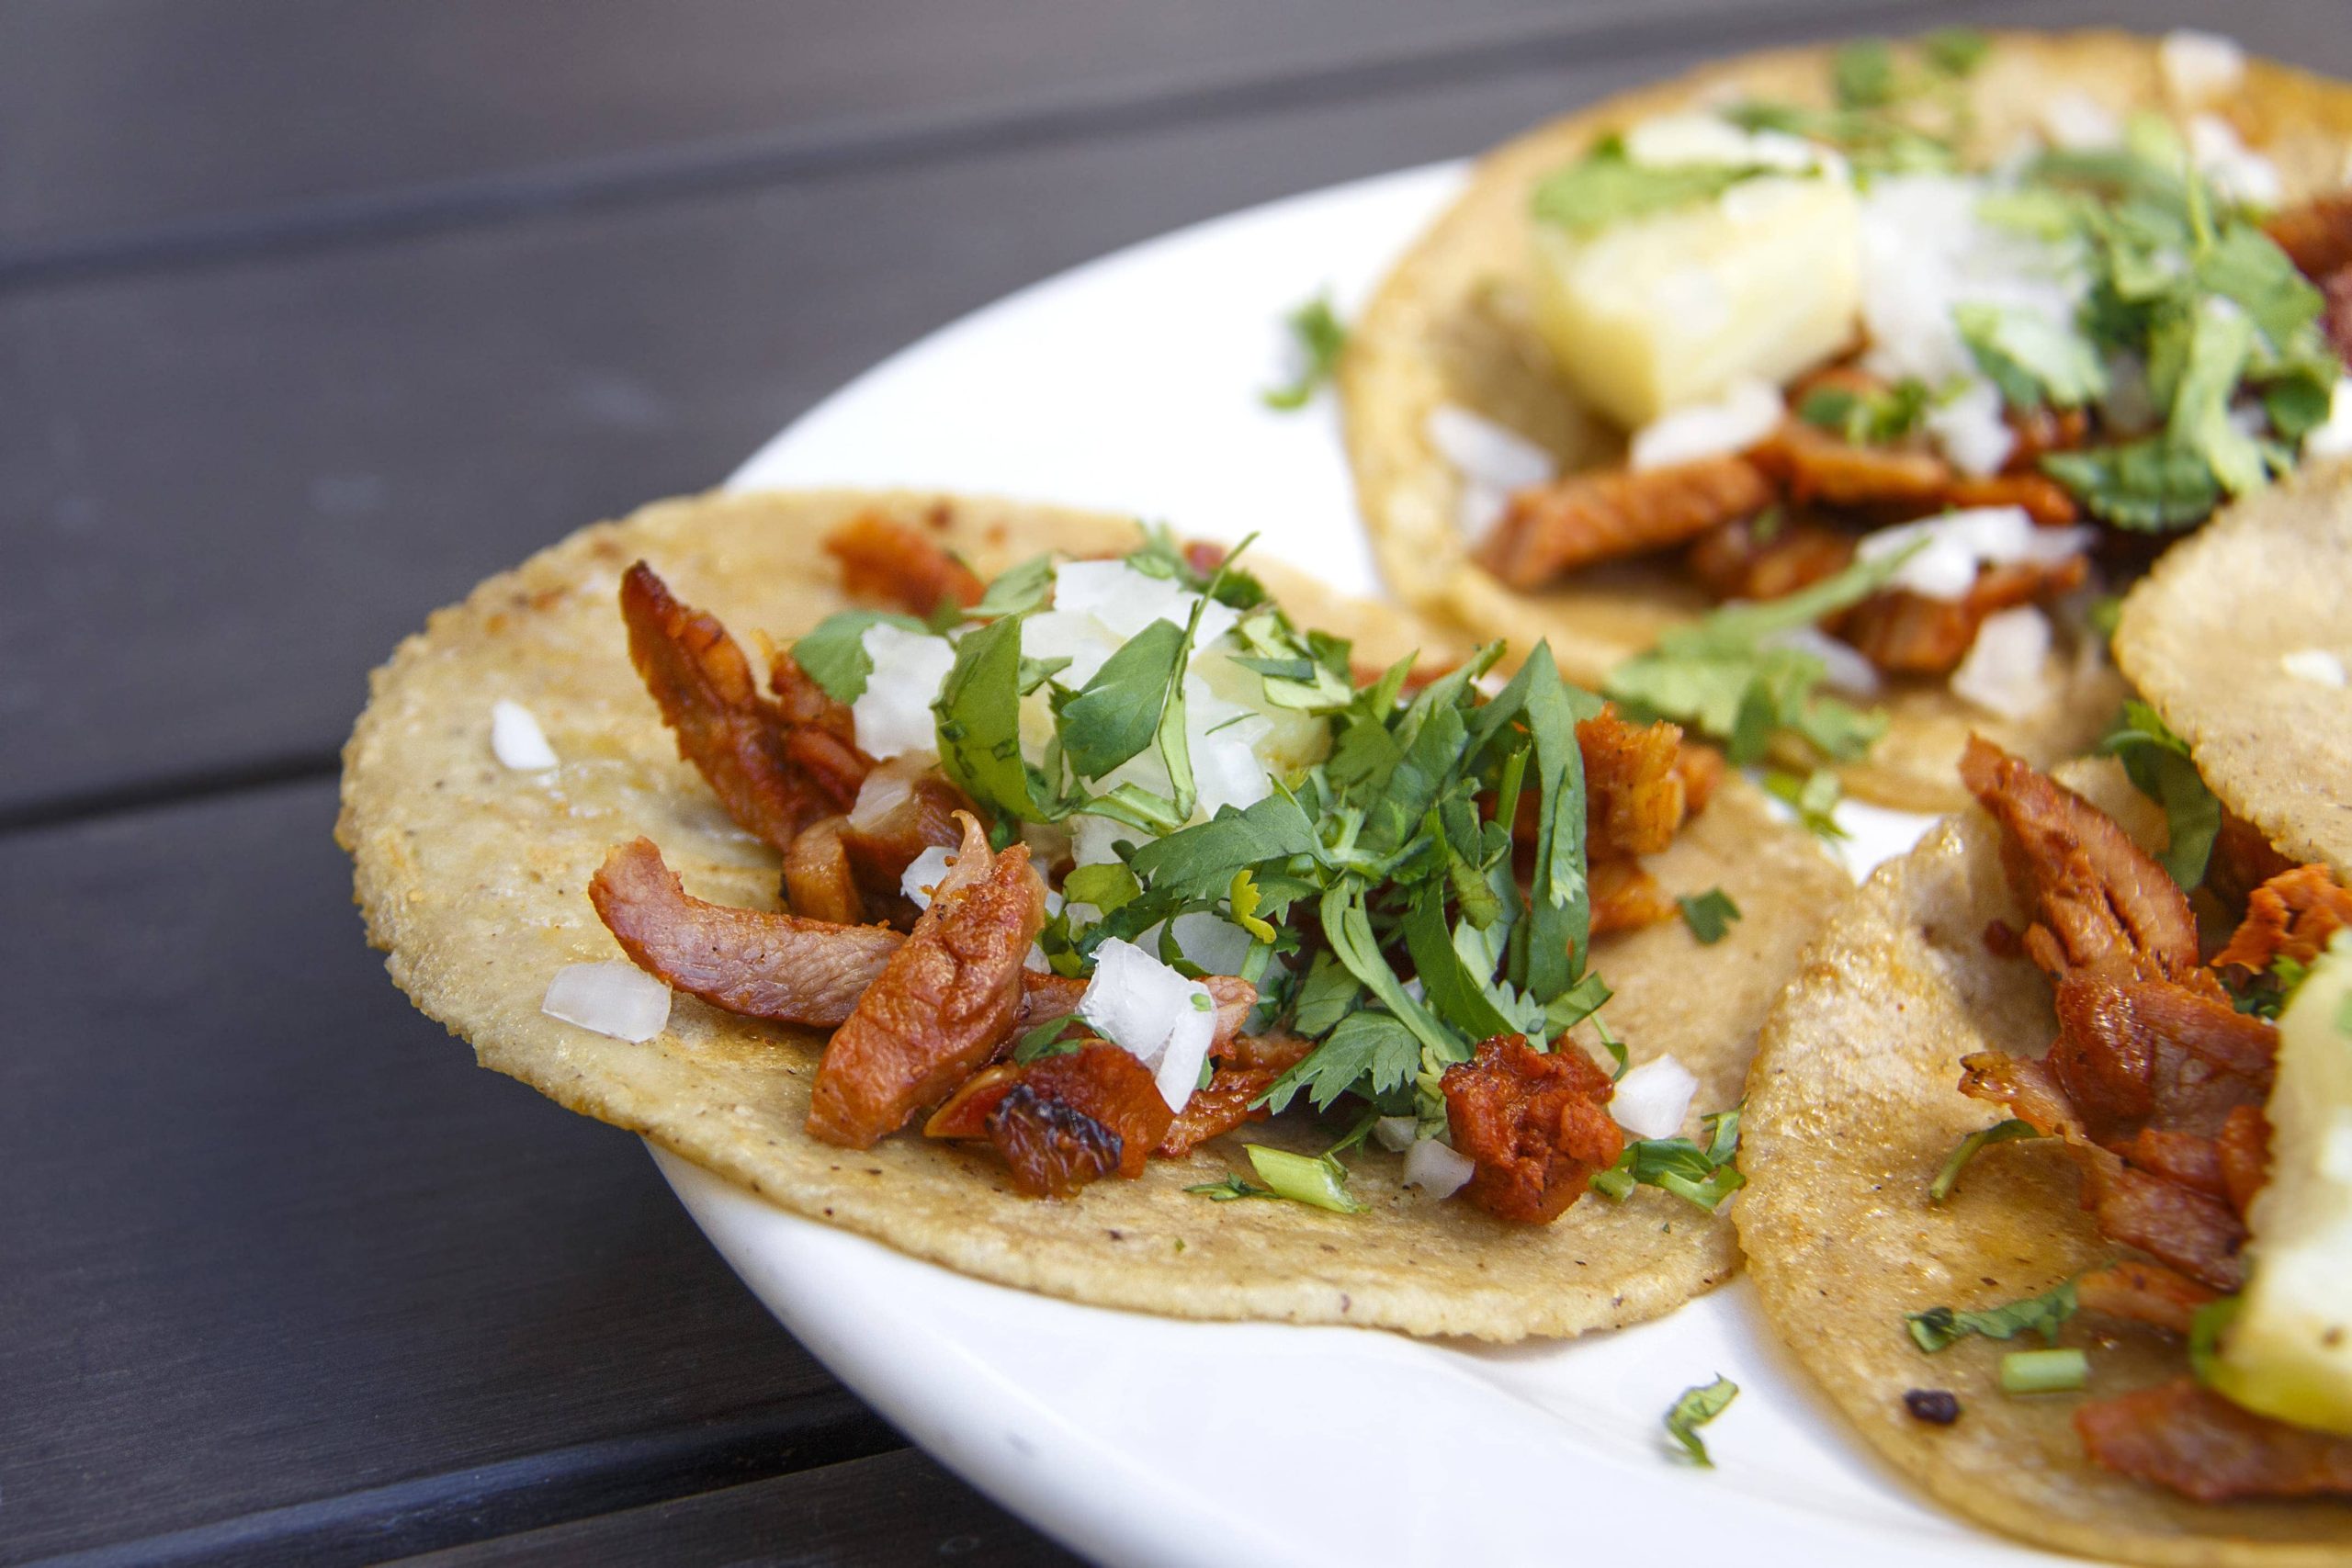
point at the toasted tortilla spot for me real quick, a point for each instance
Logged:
(2203, 635)
(471, 878)
(1453, 324)
(1852, 1107)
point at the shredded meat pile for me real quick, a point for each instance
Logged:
(926, 1002)
(2155, 1084)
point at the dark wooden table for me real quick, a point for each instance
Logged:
(310, 316)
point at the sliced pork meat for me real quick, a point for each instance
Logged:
(881, 846)
(1625, 897)
(2316, 234)
(1535, 1124)
(1746, 559)
(759, 962)
(1062, 1120)
(1635, 793)
(943, 1005)
(818, 882)
(1813, 466)
(1216, 1108)
(2099, 898)
(2044, 500)
(755, 760)
(2143, 1292)
(1910, 634)
(897, 563)
(2186, 1439)
(2293, 915)
(1584, 518)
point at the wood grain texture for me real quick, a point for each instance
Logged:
(270, 1239)
(239, 486)
(883, 1512)
(249, 109)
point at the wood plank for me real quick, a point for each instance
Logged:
(220, 108)
(271, 1239)
(239, 487)
(883, 1512)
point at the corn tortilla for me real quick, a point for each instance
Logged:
(2205, 636)
(1453, 324)
(471, 876)
(1852, 1107)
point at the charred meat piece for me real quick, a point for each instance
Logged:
(2245, 1148)
(2315, 234)
(2186, 1439)
(758, 962)
(1744, 559)
(2241, 861)
(1579, 520)
(2044, 498)
(1535, 1124)
(772, 776)
(2131, 1050)
(2099, 898)
(1051, 1154)
(882, 848)
(1625, 897)
(2142, 1293)
(942, 1005)
(2293, 915)
(2192, 1232)
(897, 562)
(1909, 634)
(817, 878)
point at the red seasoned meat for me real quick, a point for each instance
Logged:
(1535, 1124)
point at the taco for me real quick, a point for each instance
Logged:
(1064, 911)
(2022, 306)
(2047, 1142)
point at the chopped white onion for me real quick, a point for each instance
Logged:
(1125, 601)
(1748, 410)
(2074, 118)
(1682, 139)
(614, 998)
(2235, 170)
(1396, 1133)
(1492, 454)
(1960, 542)
(924, 872)
(2334, 438)
(1035, 961)
(1436, 1170)
(2198, 67)
(2003, 672)
(1211, 941)
(1969, 428)
(2316, 665)
(515, 737)
(1652, 1100)
(893, 714)
(1137, 1002)
(885, 789)
(1847, 670)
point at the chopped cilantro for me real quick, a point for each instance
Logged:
(1700, 1174)
(1231, 1187)
(1117, 713)
(1861, 74)
(2030, 358)
(834, 653)
(1948, 1178)
(1318, 1183)
(1814, 796)
(1321, 336)
(2149, 486)
(1046, 1040)
(1871, 418)
(2161, 769)
(1708, 914)
(1937, 1328)
(1694, 1409)
(1955, 52)
(1016, 589)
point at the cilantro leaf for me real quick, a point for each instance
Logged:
(1607, 187)
(833, 652)
(1199, 862)
(1117, 713)
(1948, 1178)
(1955, 52)
(2148, 486)
(1347, 928)
(1231, 1187)
(2030, 357)
(2220, 344)
(1861, 74)
(1016, 589)
(1814, 796)
(1369, 1048)
(1320, 337)
(1550, 944)
(1046, 1040)
(978, 711)
(1871, 418)
(1327, 995)
(1694, 1409)
(1937, 1328)
(1703, 1175)
(2160, 767)
(1708, 915)
(1107, 887)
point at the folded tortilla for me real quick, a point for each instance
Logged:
(1452, 325)
(1853, 1105)
(472, 876)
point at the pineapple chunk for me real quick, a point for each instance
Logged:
(2289, 1353)
(1657, 312)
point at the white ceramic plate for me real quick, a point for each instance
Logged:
(1131, 384)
